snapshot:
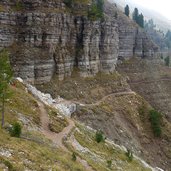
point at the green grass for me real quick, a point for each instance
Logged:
(32, 151)
(35, 156)
(106, 152)
(22, 103)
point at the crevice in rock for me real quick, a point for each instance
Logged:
(79, 39)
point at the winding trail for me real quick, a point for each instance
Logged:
(58, 137)
(129, 92)
(148, 82)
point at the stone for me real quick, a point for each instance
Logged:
(46, 38)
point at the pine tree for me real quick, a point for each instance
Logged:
(141, 20)
(127, 10)
(135, 15)
(5, 77)
(138, 18)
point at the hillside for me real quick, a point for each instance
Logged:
(89, 89)
(40, 149)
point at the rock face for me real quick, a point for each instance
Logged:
(133, 40)
(47, 38)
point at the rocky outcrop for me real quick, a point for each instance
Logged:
(46, 38)
(133, 40)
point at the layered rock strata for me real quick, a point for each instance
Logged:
(47, 38)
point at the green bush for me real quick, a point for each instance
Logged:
(18, 6)
(7, 164)
(161, 56)
(96, 10)
(68, 3)
(167, 61)
(15, 131)
(99, 137)
(129, 154)
(109, 163)
(74, 157)
(155, 119)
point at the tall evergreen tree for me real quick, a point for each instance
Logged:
(127, 10)
(138, 18)
(5, 77)
(135, 15)
(141, 20)
(168, 38)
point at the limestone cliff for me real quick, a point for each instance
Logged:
(48, 38)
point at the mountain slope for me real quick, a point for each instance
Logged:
(35, 150)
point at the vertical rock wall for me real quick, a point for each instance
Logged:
(133, 41)
(47, 38)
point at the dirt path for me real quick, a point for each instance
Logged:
(129, 92)
(110, 95)
(148, 82)
(57, 138)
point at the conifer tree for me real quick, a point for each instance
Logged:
(135, 15)
(141, 20)
(127, 10)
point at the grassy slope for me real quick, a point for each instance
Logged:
(86, 89)
(37, 153)
(104, 152)
(33, 151)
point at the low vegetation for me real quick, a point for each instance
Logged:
(32, 151)
(68, 3)
(18, 5)
(74, 157)
(129, 154)
(15, 130)
(167, 61)
(99, 136)
(155, 119)
(107, 155)
(96, 10)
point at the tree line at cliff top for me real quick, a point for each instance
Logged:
(149, 25)
(138, 18)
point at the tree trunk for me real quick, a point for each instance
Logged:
(3, 110)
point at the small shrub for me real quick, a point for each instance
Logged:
(68, 3)
(15, 131)
(96, 10)
(167, 61)
(99, 137)
(155, 119)
(129, 154)
(7, 164)
(109, 163)
(18, 6)
(74, 157)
